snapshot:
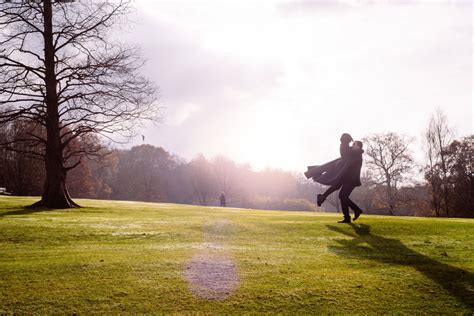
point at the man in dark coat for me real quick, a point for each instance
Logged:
(350, 181)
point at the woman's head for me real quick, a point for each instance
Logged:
(346, 138)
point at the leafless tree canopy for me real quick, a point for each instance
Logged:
(438, 137)
(99, 88)
(389, 160)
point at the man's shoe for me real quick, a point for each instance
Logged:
(357, 214)
(320, 199)
(345, 221)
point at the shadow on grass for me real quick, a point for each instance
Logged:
(24, 211)
(458, 282)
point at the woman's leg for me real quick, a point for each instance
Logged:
(331, 189)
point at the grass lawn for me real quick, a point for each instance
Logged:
(135, 257)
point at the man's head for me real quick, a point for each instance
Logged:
(346, 138)
(357, 145)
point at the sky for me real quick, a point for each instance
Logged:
(274, 83)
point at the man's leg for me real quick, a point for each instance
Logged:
(344, 195)
(357, 210)
(345, 201)
(331, 189)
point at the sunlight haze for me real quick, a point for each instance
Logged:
(274, 83)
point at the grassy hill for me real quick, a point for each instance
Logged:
(143, 257)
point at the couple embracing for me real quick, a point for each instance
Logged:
(342, 173)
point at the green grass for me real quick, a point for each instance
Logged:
(130, 257)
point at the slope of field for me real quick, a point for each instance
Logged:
(141, 257)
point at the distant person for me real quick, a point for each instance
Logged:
(222, 200)
(340, 171)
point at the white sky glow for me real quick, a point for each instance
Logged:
(274, 83)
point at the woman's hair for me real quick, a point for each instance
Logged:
(358, 143)
(346, 138)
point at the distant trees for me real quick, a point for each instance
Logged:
(438, 137)
(228, 178)
(149, 173)
(449, 169)
(389, 160)
(202, 180)
(20, 172)
(142, 174)
(61, 71)
(461, 168)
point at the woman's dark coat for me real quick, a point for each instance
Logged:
(345, 170)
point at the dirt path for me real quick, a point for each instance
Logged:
(211, 273)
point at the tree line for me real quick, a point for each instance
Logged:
(150, 173)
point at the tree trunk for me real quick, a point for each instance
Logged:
(55, 193)
(434, 198)
(391, 204)
(446, 196)
(444, 169)
(390, 194)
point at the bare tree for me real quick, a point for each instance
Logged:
(438, 137)
(389, 161)
(61, 70)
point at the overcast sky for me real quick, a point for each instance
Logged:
(275, 83)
